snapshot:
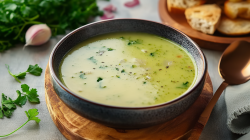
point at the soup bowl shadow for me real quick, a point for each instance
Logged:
(126, 117)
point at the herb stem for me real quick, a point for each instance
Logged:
(16, 129)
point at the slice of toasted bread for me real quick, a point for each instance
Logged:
(204, 18)
(237, 9)
(233, 27)
(179, 6)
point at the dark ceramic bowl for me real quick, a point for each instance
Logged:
(126, 117)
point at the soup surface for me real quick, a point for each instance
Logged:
(128, 69)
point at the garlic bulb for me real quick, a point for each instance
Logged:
(37, 35)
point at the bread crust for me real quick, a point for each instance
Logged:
(237, 9)
(234, 27)
(177, 9)
(204, 18)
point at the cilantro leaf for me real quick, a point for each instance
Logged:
(32, 115)
(33, 96)
(21, 75)
(110, 49)
(8, 106)
(35, 70)
(99, 79)
(184, 85)
(92, 59)
(30, 94)
(21, 100)
(17, 16)
(1, 113)
(82, 76)
(8, 68)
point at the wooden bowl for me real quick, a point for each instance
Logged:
(217, 41)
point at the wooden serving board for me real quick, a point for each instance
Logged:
(75, 127)
(217, 41)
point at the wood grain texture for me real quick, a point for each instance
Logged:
(75, 127)
(214, 42)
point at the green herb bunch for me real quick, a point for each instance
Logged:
(16, 16)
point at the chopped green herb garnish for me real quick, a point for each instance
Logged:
(152, 54)
(92, 59)
(122, 71)
(32, 69)
(144, 82)
(117, 76)
(110, 49)
(117, 69)
(132, 42)
(133, 66)
(99, 79)
(121, 37)
(82, 76)
(103, 67)
(104, 86)
(184, 85)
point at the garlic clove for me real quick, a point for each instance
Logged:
(37, 35)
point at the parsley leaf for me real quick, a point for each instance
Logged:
(31, 95)
(8, 106)
(82, 76)
(7, 66)
(21, 100)
(32, 115)
(122, 71)
(184, 85)
(110, 49)
(34, 70)
(99, 79)
(92, 59)
(1, 113)
(17, 16)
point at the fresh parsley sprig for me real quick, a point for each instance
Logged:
(8, 106)
(17, 16)
(27, 93)
(32, 115)
(32, 69)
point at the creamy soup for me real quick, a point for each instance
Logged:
(128, 69)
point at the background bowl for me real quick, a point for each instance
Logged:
(126, 117)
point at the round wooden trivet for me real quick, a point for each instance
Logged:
(75, 127)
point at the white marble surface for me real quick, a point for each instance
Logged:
(19, 60)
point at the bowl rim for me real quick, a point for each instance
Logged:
(186, 93)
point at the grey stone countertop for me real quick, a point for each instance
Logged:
(19, 60)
